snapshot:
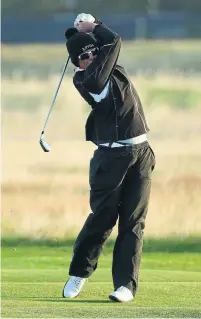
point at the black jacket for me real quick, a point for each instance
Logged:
(119, 115)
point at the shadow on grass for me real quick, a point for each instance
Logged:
(74, 300)
(189, 244)
(61, 299)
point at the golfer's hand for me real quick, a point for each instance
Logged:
(85, 26)
(83, 17)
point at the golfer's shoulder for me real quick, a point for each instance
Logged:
(120, 70)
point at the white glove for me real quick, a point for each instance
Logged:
(83, 17)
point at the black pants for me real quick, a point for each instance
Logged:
(120, 181)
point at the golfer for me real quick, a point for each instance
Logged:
(122, 164)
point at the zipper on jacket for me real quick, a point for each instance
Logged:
(116, 118)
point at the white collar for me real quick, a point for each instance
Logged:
(77, 69)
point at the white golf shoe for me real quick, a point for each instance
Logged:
(122, 294)
(73, 287)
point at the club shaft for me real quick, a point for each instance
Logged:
(55, 96)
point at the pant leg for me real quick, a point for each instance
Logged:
(132, 213)
(107, 170)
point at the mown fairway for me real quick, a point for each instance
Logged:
(33, 276)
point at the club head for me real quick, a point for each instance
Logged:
(44, 145)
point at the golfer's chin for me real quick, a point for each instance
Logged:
(85, 63)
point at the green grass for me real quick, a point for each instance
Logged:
(33, 274)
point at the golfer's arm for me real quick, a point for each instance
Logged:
(83, 92)
(97, 74)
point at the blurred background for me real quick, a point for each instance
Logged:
(46, 195)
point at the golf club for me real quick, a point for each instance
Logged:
(44, 145)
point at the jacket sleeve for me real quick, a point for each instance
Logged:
(96, 75)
